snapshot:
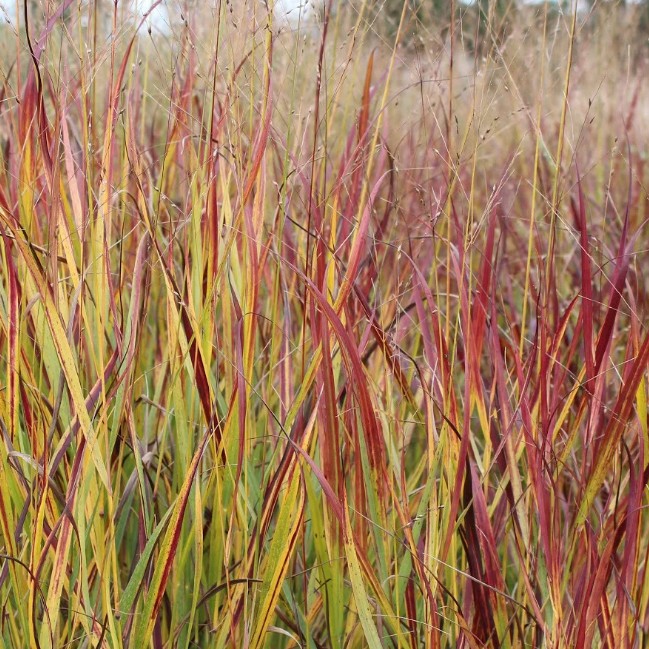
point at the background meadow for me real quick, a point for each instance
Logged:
(325, 332)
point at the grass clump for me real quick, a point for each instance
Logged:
(323, 335)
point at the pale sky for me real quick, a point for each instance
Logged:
(159, 19)
(7, 10)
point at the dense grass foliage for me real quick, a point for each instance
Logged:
(317, 337)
